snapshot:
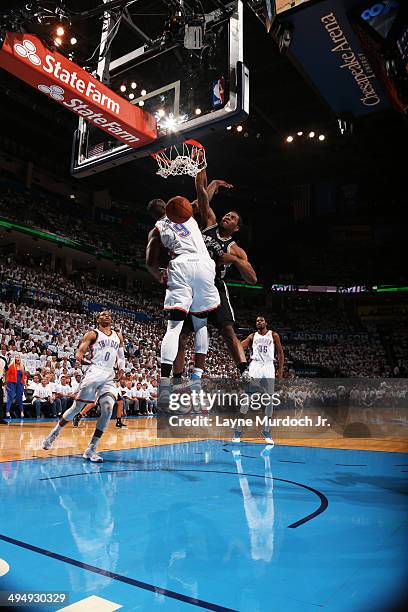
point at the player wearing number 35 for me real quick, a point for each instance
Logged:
(106, 352)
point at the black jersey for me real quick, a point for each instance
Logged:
(216, 246)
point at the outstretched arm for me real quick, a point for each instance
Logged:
(213, 187)
(153, 254)
(247, 342)
(212, 190)
(239, 258)
(84, 345)
(281, 354)
(205, 213)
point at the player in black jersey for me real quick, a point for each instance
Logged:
(219, 239)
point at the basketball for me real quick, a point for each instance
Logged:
(179, 209)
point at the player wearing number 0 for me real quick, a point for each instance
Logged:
(262, 366)
(98, 384)
(189, 279)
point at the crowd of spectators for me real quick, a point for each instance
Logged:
(43, 286)
(343, 357)
(37, 327)
(123, 241)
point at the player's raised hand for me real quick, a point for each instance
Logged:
(221, 183)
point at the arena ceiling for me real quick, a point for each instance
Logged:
(258, 159)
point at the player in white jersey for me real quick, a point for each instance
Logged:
(98, 384)
(262, 367)
(189, 277)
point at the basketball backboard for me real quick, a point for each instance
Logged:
(189, 74)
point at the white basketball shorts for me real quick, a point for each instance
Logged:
(259, 370)
(95, 383)
(190, 285)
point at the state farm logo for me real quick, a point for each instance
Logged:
(54, 91)
(28, 49)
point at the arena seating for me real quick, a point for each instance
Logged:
(43, 318)
(125, 241)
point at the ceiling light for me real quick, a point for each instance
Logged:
(57, 42)
(300, 133)
(322, 137)
(133, 85)
(312, 134)
(289, 139)
(229, 127)
(239, 128)
(131, 96)
(141, 103)
(123, 88)
(143, 92)
(60, 31)
(73, 41)
(198, 111)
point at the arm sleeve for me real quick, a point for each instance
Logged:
(121, 358)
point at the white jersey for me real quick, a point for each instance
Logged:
(182, 238)
(263, 348)
(104, 350)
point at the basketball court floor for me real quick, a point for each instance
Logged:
(182, 525)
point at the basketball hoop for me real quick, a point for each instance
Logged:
(186, 158)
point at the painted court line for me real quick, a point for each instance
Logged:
(323, 499)
(137, 583)
(4, 567)
(92, 604)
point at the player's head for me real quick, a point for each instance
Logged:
(232, 221)
(104, 318)
(261, 323)
(156, 208)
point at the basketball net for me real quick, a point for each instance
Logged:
(186, 158)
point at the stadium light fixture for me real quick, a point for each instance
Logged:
(312, 134)
(322, 137)
(239, 128)
(289, 139)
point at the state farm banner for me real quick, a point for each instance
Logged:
(53, 74)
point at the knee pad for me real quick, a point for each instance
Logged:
(174, 314)
(169, 346)
(106, 404)
(201, 341)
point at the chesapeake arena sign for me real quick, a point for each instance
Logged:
(53, 74)
(330, 53)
